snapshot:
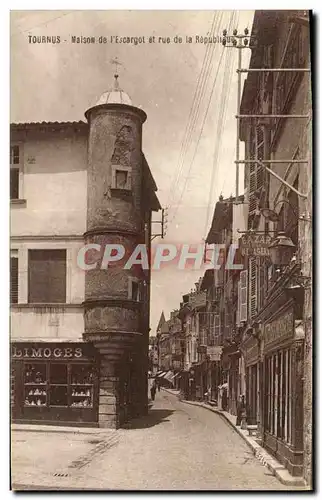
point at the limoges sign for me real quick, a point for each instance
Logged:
(255, 244)
(46, 352)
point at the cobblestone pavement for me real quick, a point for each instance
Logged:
(176, 447)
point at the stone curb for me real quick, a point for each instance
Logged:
(61, 429)
(260, 453)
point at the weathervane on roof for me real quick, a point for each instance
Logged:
(116, 75)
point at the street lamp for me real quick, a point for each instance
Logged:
(281, 250)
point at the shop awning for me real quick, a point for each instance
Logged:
(176, 375)
(169, 376)
(160, 374)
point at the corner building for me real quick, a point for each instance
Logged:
(57, 363)
(114, 319)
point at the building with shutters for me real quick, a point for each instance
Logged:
(79, 339)
(276, 327)
(223, 296)
(153, 355)
(193, 315)
(163, 343)
(170, 342)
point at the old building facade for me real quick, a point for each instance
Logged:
(256, 319)
(170, 346)
(79, 328)
(277, 333)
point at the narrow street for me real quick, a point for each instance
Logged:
(176, 447)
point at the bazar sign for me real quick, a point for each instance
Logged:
(47, 352)
(279, 329)
(255, 244)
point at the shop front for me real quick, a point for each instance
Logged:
(253, 383)
(233, 382)
(283, 402)
(214, 371)
(54, 383)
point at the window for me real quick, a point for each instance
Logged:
(296, 54)
(242, 296)
(14, 155)
(12, 385)
(14, 277)
(14, 184)
(121, 177)
(256, 174)
(35, 384)
(14, 172)
(47, 276)
(292, 213)
(252, 287)
(216, 328)
(58, 384)
(279, 395)
(134, 289)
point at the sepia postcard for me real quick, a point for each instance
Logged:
(161, 250)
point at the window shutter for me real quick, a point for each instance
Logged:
(227, 321)
(243, 296)
(252, 287)
(260, 156)
(47, 276)
(14, 183)
(14, 155)
(216, 326)
(252, 180)
(238, 305)
(14, 280)
(262, 279)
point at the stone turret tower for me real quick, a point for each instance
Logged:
(116, 309)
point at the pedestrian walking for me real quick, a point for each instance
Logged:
(158, 385)
(153, 390)
(241, 406)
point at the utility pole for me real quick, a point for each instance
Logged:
(163, 222)
(238, 41)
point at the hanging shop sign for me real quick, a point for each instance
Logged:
(279, 329)
(255, 244)
(251, 351)
(214, 353)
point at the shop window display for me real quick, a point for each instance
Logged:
(58, 384)
(12, 386)
(35, 384)
(81, 386)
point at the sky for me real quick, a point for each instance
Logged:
(58, 82)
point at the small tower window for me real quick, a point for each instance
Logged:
(134, 289)
(121, 178)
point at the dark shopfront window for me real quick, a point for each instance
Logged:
(50, 384)
(279, 395)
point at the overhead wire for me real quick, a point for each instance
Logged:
(202, 127)
(191, 117)
(226, 87)
(195, 106)
(42, 24)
